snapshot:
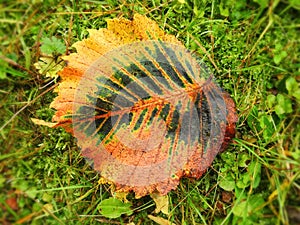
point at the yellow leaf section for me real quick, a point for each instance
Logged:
(160, 220)
(43, 123)
(49, 66)
(119, 31)
(161, 202)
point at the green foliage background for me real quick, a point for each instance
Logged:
(255, 48)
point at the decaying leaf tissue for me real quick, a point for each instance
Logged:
(143, 109)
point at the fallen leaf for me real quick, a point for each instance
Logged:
(160, 220)
(43, 123)
(161, 202)
(49, 67)
(144, 109)
(121, 196)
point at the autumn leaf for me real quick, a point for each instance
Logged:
(42, 122)
(161, 202)
(160, 220)
(49, 67)
(144, 110)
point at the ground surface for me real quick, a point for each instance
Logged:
(256, 51)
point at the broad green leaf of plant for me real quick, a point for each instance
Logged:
(227, 182)
(248, 206)
(293, 87)
(243, 158)
(251, 177)
(283, 106)
(267, 124)
(271, 99)
(52, 46)
(114, 208)
(279, 54)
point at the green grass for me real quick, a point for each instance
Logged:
(254, 52)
